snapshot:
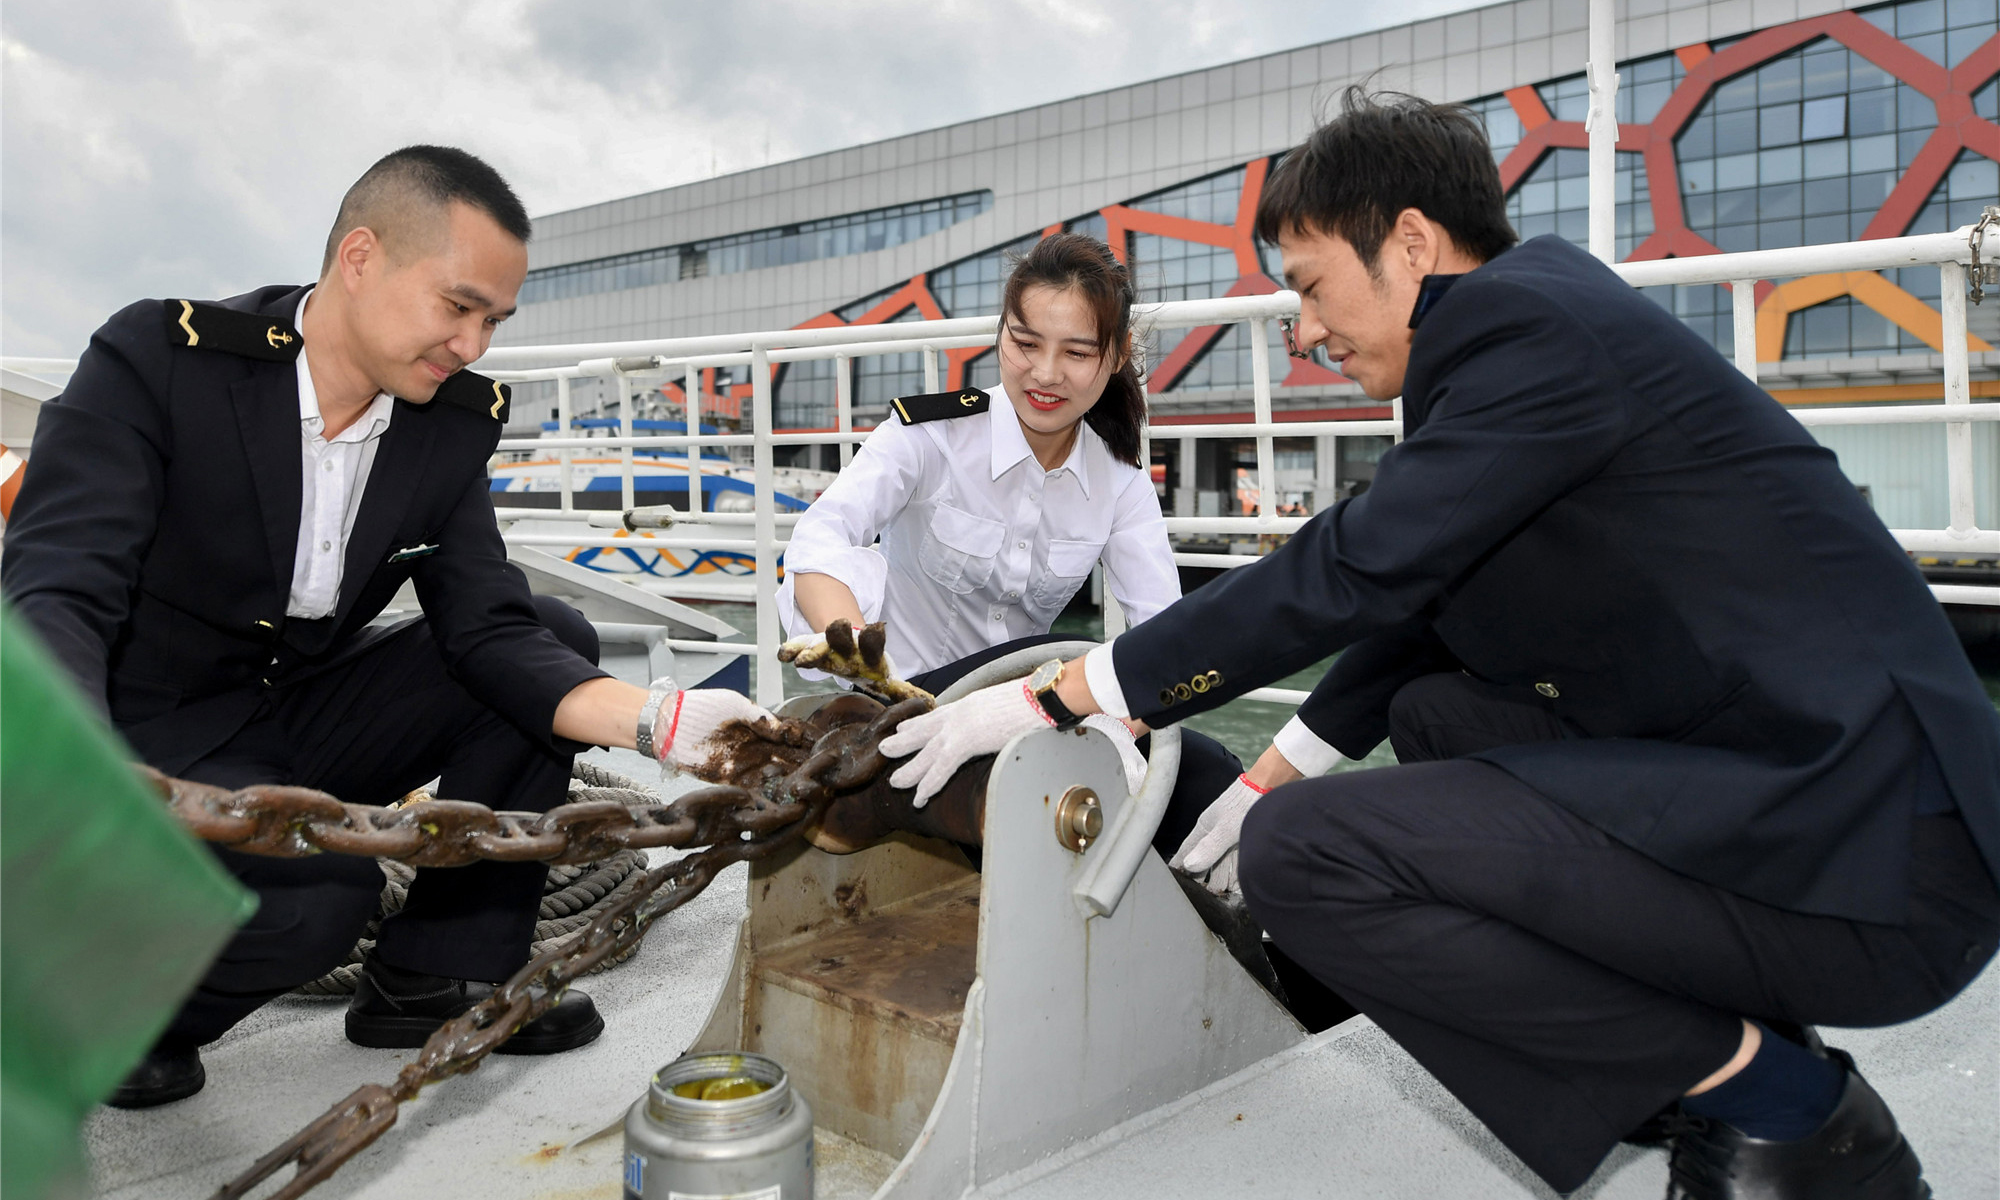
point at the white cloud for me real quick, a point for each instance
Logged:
(200, 147)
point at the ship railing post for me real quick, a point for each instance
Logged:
(1958, 465)
(691, 413)
(769, 686)
(618, 380)
(843, 404)
(1743, 310)
(1601, 124)
(1260, 400)
(563, 424)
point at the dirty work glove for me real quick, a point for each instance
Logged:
(1209, 853)
(1128, 749)
(863, 659)
(946, 738)
(684, 734)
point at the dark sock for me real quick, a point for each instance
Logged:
(407, 984)
(1783, 1093)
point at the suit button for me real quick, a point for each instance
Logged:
(1182, 691)
(1214, 678)
(1548, 689)
(1199, 683)
(1166, 697)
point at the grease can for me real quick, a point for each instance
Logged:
(719, 1127)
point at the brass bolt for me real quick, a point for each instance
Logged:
(1079, 819)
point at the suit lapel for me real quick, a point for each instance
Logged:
(267, 413)
(392, 486)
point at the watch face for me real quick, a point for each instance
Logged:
(1045, 676)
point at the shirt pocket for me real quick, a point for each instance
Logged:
(959, 549)
(1068, 566)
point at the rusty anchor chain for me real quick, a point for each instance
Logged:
(768, 808)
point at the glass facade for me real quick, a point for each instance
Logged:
(1816, 141)
(833, 237)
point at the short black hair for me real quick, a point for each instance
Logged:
(1385, 152)
(413, 184)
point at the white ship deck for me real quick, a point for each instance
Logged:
(1347, 1114)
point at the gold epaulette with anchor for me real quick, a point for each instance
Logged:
(469, 389)
(939, 406)
(232, 331)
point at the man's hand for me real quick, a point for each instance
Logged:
(863, 659)
(684, 734)
(1209, 853)
(947, 738)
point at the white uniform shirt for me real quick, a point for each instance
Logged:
(336, 475)
(979, 544)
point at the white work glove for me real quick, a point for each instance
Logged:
(684, 734)
(1128, 748)
(951, 735)
(1209, 853)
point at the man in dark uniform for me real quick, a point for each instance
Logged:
(1693, 759)
(223, 498)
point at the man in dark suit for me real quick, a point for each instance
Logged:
(1693, 759)
(222, 500)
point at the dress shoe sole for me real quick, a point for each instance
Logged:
(153, 1097)
(410, 1033)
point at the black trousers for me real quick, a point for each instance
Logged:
(368, 732)
(1561, 985)
(1207, 766)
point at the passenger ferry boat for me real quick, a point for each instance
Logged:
(659, 478)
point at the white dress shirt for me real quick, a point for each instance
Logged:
(979, 543)
(336, 475)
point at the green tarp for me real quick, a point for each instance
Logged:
(109, 913)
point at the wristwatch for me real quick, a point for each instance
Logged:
(1042, 684)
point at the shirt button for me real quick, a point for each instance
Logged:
(326, 546)
(1020, 545)
(327, 465)
(1013, 595)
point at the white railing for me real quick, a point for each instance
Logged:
(622, 363)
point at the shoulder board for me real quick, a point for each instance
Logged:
(469, 389)
(212, 327)
(938, 406)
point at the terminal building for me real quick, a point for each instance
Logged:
(1743, 124)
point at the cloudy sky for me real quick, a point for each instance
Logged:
(200, 147)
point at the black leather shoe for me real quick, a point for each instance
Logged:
(1856, 1154)
(573, 1022)
(166, 1074)
(399, 1010)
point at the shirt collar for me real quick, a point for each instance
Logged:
(372, 422)
(1010, 445)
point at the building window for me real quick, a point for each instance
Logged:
(1555, 198)
(833, 237)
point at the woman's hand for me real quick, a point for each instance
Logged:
(863, 659)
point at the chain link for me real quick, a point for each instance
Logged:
(736, 823)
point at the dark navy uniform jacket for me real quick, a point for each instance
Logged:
(151, 545)
(1592, 506)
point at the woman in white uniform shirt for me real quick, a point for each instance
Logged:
(992, 514)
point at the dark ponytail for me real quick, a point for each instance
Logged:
(1086, 266)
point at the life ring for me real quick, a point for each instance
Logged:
(13, 469)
